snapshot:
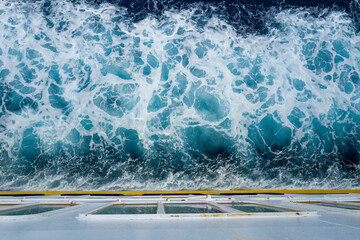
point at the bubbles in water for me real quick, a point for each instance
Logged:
(90, 99)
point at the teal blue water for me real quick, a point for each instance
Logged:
(32, 210)
(129, 209)
(91, 98)
(187, 209)
(253, 208)
(351, 207)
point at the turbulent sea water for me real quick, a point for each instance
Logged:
(179, 95)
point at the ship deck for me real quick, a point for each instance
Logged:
(24, 215)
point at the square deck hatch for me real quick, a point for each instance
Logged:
(31, 210)
(128, 209)
(253, 208)
(335, 205)
(190, 209)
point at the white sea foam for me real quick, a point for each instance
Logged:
(222, 86)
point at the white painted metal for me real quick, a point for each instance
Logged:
(76, 222)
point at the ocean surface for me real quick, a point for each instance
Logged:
(171, 94)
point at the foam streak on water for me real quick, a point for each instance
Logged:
(91, 100)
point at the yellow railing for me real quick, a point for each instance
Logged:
(182, 192)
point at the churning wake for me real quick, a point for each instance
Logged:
(92, 99)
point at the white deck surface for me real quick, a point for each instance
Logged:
(75, 222)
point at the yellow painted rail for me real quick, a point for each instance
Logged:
(183, 192)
